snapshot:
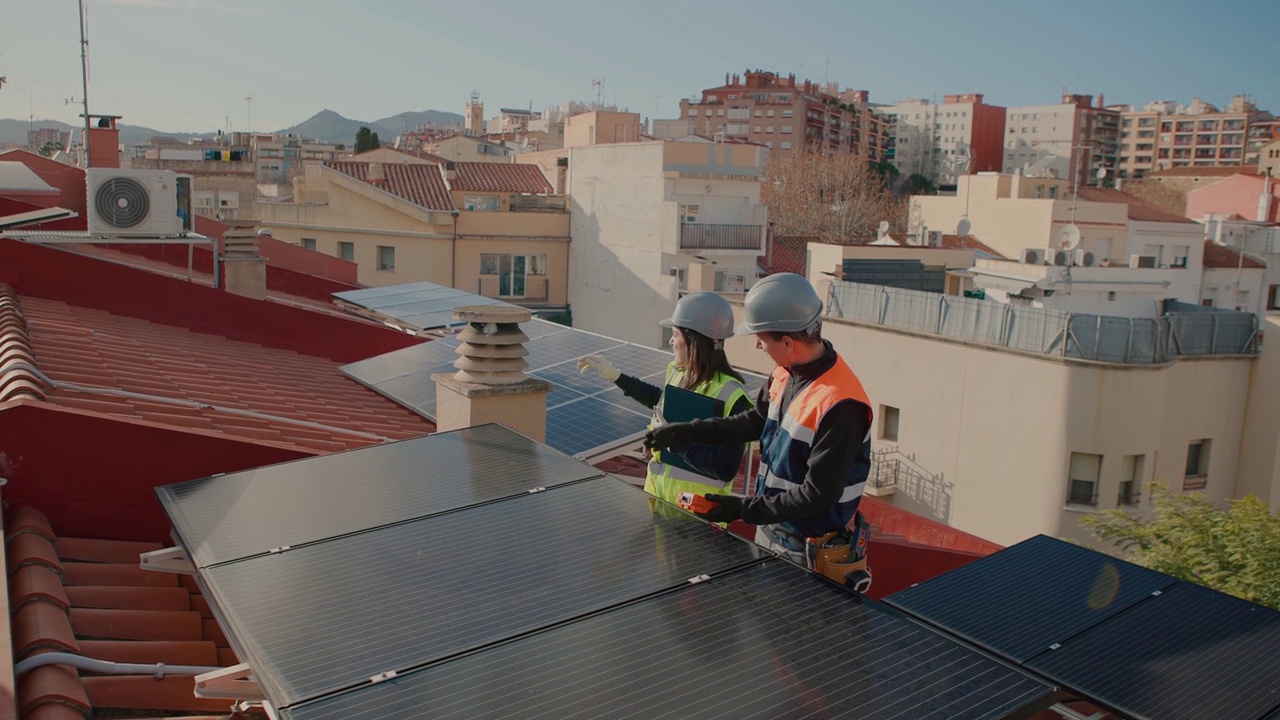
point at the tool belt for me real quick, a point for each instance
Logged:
(841, 555)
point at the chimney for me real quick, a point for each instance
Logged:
(562, 170)
(1100, 103)
(450, 171)
(244, 270)
(103, 142)
(490, 385)
(376, 176)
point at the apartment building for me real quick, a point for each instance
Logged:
(1242, 212)
(1164, 134)
(782, 114)
(282, 157)
(1127, 259)
(493, 229)
(468, 148)
(986, 420)
(941, 141)
(653, 220)
(1070, 140)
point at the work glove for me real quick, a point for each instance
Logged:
(728, 510)
(600, 365)
(674, 436)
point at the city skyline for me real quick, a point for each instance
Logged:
(188, 65)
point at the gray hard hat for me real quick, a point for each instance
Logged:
(784, 302)
(703, 312)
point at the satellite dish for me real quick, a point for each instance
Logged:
(1068, 237)
(962, 228)
(883, 226)
(1101, 174)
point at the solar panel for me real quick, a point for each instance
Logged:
(585, 413)
(767, 641)
(1189, 652)
(331, 615)
(1126, 638)
(421, 305)
(1062, 589)
(248, 513)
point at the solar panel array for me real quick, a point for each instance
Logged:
(482, 575)
(1141, 643)
(585, 412)
(421, 305)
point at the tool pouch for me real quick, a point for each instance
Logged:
(833, 555)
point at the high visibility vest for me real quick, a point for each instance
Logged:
(668, 481)
(787, 441)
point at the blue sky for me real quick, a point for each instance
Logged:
(187, 65)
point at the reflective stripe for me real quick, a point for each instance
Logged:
(852, 492)
(661, 469)
(797, 430)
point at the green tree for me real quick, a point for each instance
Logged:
(1236, 550)
(917, 184)
(366, 140)
(50, 147)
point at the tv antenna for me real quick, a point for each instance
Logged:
(597, 84)
(248, 101)
(826, 67)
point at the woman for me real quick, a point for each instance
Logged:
(701, 323)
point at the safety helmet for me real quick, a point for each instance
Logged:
(784, 302)
(703, 312)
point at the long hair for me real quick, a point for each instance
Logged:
(704, 361)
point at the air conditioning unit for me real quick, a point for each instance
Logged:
(1034, 256)
(138, 203)
(1084, 258)
(1061, 258)
(1142, 261)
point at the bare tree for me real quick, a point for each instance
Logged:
(838, 197)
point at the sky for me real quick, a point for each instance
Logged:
(188, 65)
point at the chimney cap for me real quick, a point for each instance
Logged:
(498, 314)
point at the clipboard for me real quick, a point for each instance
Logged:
(680, 405)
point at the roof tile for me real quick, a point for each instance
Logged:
(42, 626)
(136, 624)
(420, 184)
(26, 519)
(31, 549)
(37, 583)
(1139, 210)
(86, 550)
(500, 177)
(1221, 256)
(173, 693)
(128, 597)
(51, 684)
(54, 711)
(114, 574)
(170, 652)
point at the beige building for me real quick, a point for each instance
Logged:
(1070, 140)
(465, 148)
(1164, 134)
(655, 219)
(493, 229)
(781, 114)
(1007, 441)
(1130, 255)
(1269, 158)
(600, 127)
(961, 135)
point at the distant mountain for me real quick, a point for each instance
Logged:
(330, 126)
(15, 132)
(325, 125)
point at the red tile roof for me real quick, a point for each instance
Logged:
(500, 177)
(1139, 210)
(969, 242)
(787, 254)
(1204, 172)
(116, 613)
(204, 382)
(420, 184)
(1221, 256)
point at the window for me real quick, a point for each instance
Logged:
(347, 251)
(681, 276)
(786, 144)
(693, 112)
(1197, 473)
(889, 423)
(770, 113)
(309, 243)
(719, 112)
(1273, 297)
(786, 129)
(386, 258)
(768, 128)
(1180, 255)
(730, 282)
(787, 113)
(1130, 480)
(512, 273)
(757, 128)
(481, 203)
(1053, 191)
(757, 112)
(689, 213)
(1083, 479)
(203, 199)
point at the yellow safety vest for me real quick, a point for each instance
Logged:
(667, 481)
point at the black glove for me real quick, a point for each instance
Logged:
(673, 436)
(729, 509)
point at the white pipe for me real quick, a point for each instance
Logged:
(107, 667)
(117, 392)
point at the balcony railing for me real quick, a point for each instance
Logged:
(697, 236)
(529, 289)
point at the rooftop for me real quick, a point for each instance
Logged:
(1139, 210)
(420, 184)
(1221, 256)
(500, 177)
(1216, 171)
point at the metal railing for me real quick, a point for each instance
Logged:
(530, 288)
(539, 203)
(697, 236)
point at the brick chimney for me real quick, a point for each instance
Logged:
(103, 142)
(244, 271)
(490, 385)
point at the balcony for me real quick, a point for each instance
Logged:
(519, 289)
(698, 236)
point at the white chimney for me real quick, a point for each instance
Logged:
(490, 385)
(244, 270)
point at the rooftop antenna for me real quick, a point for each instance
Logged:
(84, 78)
(248, 101)
(597, 84)
(826, 68)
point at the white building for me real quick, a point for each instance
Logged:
(651, 220)
(1069, 140)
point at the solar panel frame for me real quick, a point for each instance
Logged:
(422, 305)
(329, 616)
(736, 646)
(250, 513)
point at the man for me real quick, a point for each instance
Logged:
(813, 420)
